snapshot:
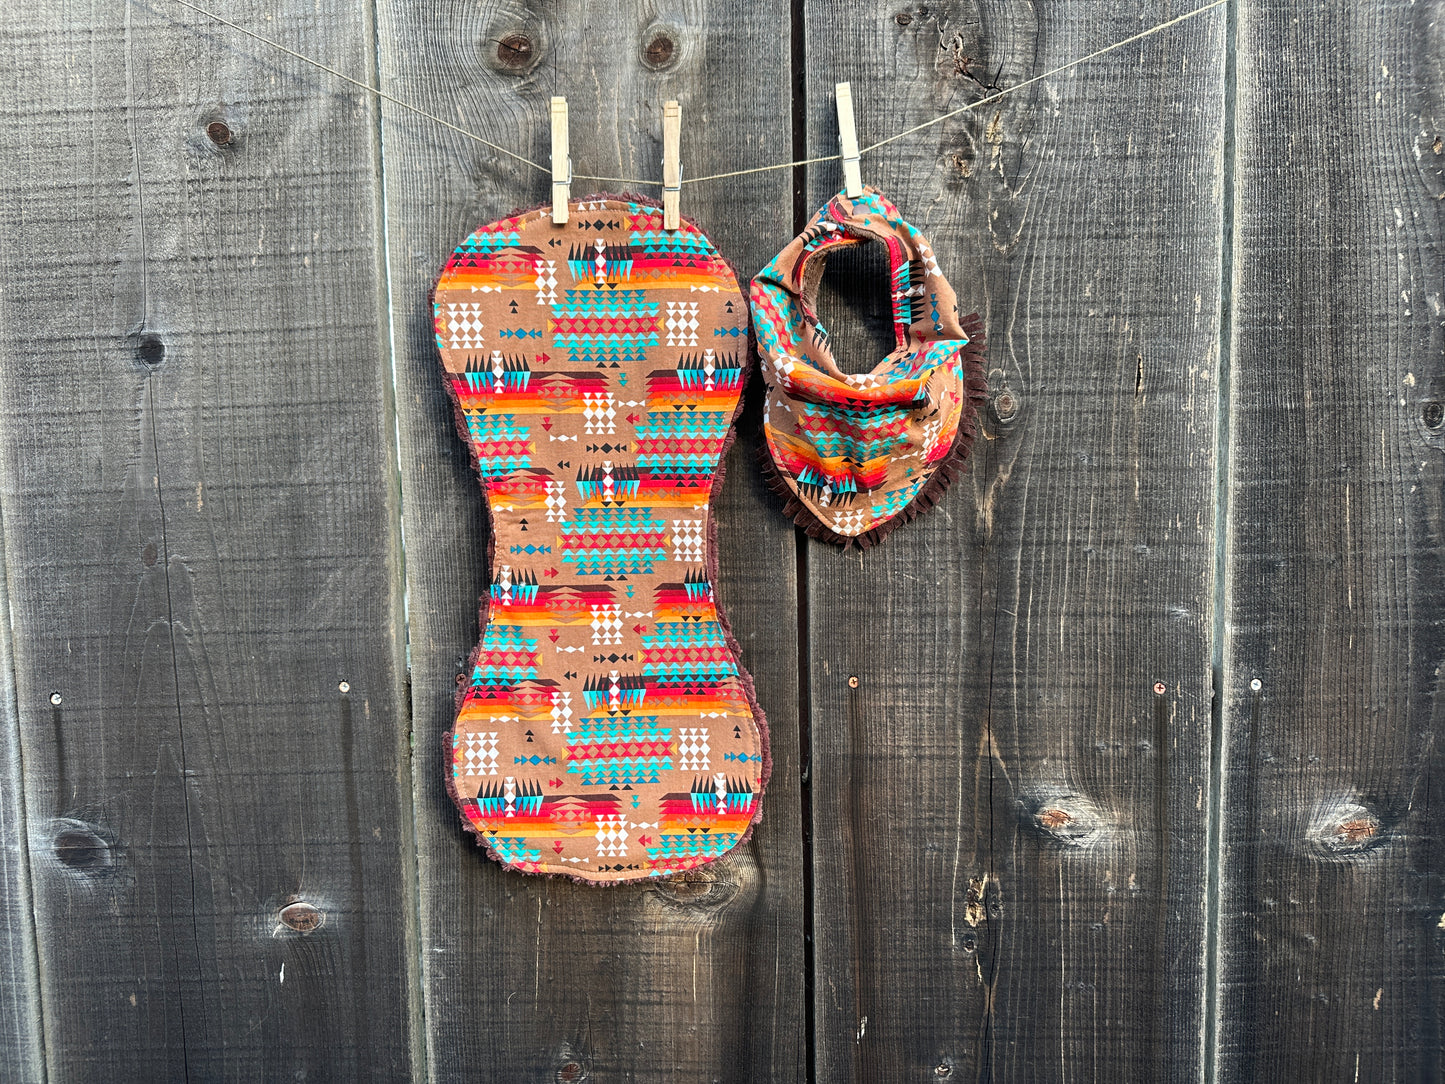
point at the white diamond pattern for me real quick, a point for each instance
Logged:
(464, 326)
(682, 323)
(479, 753)
(612, 834)
(607, 624)
(599, 413)
(693, 749)
(561, 712)
(687, 539)
(546, 282)
(556, 501)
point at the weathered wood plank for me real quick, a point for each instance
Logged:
(526, 978)
(1009, 820)
(1331, 962)
(21, 1056)
(200, 542)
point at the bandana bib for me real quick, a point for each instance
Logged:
(607, 730)
(859, 455)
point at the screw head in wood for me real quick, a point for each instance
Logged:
(1160, 688)
(853, 682)
(56, 698)
(345, 686)
(1256, 685)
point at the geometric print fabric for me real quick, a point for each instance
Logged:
(606, 730)
(858, 454)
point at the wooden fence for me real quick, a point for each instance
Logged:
(1123, 764)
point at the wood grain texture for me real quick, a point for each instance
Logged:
(21, 1054)
(1009, 821)
(526, 978)
(197, 494)
(1004, 828)
(1332, 943)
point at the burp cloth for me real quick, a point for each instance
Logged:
(606, 730)
(857, 455)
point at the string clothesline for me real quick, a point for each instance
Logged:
(980, 103)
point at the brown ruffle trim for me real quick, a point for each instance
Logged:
(948, 468)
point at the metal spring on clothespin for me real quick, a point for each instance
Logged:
(848, 139)
(561, 162)
(671, 165)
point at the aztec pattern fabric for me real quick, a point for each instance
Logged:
(607, 730)
(858, 455)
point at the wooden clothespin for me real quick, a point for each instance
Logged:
(561, 162)
(848, 137)
(671, 165)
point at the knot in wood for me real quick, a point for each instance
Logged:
(1068, 819)
(1432, 414)
(515, 51)
(1356, 830)
(697, 888)
(659, 50)
(1345, 828)
(1004, 406)
(571, 1072)
(150, 351)
(81, 847)
(1054, 819)
(219, 133)
(302, 917)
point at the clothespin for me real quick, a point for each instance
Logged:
(852, 177)
(561, 162)
(671, 165)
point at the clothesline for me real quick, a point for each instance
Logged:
(399, 103)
